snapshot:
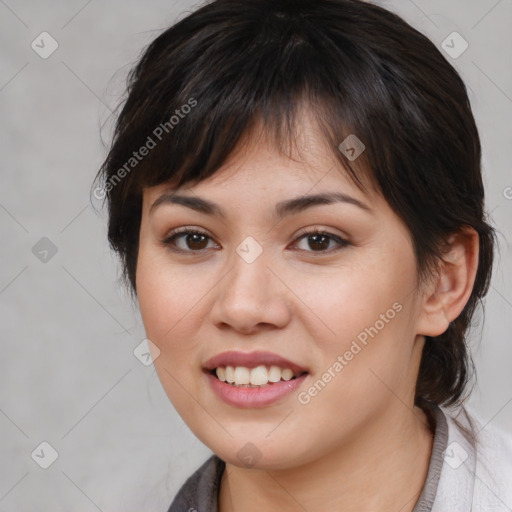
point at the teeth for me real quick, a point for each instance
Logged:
(230, 374)
(221, 373)
(259, 376)
(274, 375)
(286, 374)
(242, 375)
(249, 377)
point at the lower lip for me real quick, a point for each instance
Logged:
(254, 397)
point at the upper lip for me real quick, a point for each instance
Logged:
(251, 360)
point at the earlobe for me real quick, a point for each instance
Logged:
(449, 292)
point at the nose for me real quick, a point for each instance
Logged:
(251, 297)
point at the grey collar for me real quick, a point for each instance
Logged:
(200, 492)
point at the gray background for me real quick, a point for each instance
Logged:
(68, 374)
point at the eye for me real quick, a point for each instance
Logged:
(319, 240)
(193, 240)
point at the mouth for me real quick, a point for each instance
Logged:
(252, 369)
(257, 377)
(258, 386)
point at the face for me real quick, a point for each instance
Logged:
(341, 305)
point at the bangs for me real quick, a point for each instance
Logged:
(211, 98)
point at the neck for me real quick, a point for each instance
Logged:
(383, 468)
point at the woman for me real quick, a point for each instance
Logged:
(294, 189)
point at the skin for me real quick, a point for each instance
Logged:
(359, 444)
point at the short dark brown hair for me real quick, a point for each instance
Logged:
(231, 65)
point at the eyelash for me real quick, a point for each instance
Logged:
(168, 242)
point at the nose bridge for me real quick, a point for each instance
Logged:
(250, 294)
(249, 279)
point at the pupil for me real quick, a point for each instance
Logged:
(322, 237)
(195, 240)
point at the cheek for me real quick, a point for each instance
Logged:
(352, 300)
(166, 299)
(366, 314)
(365, 365)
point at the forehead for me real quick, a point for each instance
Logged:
(304, 164)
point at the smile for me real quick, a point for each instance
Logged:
(254, 377)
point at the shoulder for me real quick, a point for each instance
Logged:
(200, 491)
(494, 468)
(477, 466)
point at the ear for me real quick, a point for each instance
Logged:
(445, 297)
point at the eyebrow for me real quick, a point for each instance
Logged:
(282, 209)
